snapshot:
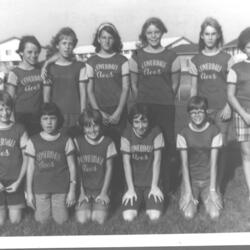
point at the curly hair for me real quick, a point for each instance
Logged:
(111, 29)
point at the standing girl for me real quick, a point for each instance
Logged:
(155, 72)
(65, 84)
(95, 158)
(108, 87)
(12, 162)
(24, 84)
(51, 176)
(108, 74)
(209, 72)
(141, 146)
(238, 91)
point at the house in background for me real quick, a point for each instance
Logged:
(83, 52)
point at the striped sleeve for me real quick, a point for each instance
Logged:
(133, 65)
(12, 79)
(125, 68)
(159, 141)
(125, 145)
(111, 150)
(231, 77)
(89, 71)
(69, 147)
(30, 149)
(217, 141)
(181, 142)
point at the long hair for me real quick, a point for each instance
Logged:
(210, 21)
(157, 22)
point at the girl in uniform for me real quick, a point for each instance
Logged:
(108, 87)
(95, 154)
(155, 78)
(65, 77)
(238, 90)
(51, 174)
(13, 140)
(141, 146)
(209, 72)
(24, 84)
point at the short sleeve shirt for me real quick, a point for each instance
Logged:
(154, 75)
(240, 76)
(107, 74)
(198, 146)
(28, 84)
(92, 160)
(141, 151)
(51, 173)
(13, 140)
(211, 71)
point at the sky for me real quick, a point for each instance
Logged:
(43, 18)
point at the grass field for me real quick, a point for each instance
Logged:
(235, 216)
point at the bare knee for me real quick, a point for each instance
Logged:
(129, 215)
(83, 216)
(153, 214)
(99, 216)
(190, 211)
(15, 216)
(214, 214)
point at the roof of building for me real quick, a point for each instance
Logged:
(186, 49)
(233, 43)
(9, 39)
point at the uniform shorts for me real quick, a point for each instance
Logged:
(12, 200)
(242, 129)
(142, 196)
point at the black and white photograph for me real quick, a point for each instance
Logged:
(124, 123)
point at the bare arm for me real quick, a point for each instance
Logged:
(156, 168)
(134, 85)
(175, 75)
(185, 170)
(83, 95)
(213, 169)
(11, 90)
(72, 175)
(128, 171)
(29, 182)
(194, 86)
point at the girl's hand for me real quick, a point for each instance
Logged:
(115, 118)
(13, 187)
(226, 113)
(247, 119)
(71, 199)
(105, 118)
(156, 193)
(31, 200)
(185, 200)
(81, 199)
(129, 196)
(103, 198)
(215, 198)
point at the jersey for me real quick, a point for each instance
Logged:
(28, 84)
(141, 151)
(199, 145)
(154, 75)
(51, 173)
(239, 75)
(107, 74)
(13, 140)
(92, 160)
(211, 71)
(65, 86)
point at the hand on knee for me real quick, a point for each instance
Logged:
(129, 215)
(153, 214)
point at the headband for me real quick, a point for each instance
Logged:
(103, 25)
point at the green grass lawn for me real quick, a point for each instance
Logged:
(234, 218)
